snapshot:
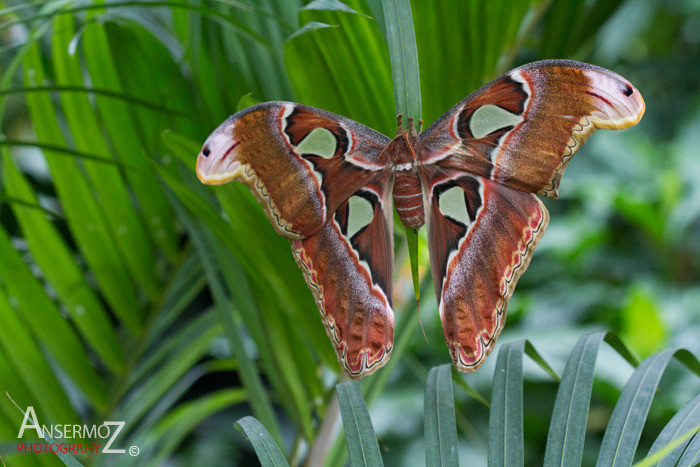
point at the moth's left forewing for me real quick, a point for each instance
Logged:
(481, 236)
(323, 182)
(522, 128)
(300, 162)
(348, 266)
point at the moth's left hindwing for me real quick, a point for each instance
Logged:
(348, 266)
(323, 182)
(299, 162)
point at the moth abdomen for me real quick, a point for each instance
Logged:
(408, 198)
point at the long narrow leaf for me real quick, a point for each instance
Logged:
(183, 419)
(691, 456)
(439, 418)
(268, 452)
(338, 62)
(249, 375)
(85, 219)
(123, 220)
(401, 39)
(506, 414)
(682, 440)
(59, 267)
(359, 432)
(630, 413)
(119, 122)
(47, 324)
(685, 419)
(567, 430)
(21, 351)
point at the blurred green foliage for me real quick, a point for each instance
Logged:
(129, 291)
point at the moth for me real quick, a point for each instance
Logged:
(326, 183)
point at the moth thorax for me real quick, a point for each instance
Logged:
(408, 198)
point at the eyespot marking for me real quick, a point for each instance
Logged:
(453, 204)
(320, 141)
(490, 118)
(360, 214)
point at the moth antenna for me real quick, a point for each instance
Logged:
(399, 124)
(412, 127)
(420, 126)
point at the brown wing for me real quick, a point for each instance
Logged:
(481, 236)
(301, 163)
(522, 128)
(348, 266)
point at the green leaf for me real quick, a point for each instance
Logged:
(96, 91)
(627, 420)
(108, 183)
(85, 217)
(201, 332)
(47, 324)
(23, 354)
(464, 44)
(531, 352)
(249, 375)
(310, 26)
(412, 240)
(224, 18)
(66, 458)
(59, 267)
(328, 5)
(124, 135)
(330, 68)
(459, 380)
(246, 101)
(183, 419)
(567, 429)
(439, 418)
(401, 40)
(268, 452)
(686, 419)
(359, 432)
(506, 414)
(691, 456)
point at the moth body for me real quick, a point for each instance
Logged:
(408, 192)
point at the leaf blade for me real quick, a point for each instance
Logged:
(439, 415)
(567, 428)
(630, 413)
(359, 432)
(268, 452)
(506, 412)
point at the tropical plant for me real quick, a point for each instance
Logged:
(129, 291)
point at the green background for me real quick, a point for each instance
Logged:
(129, 291)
